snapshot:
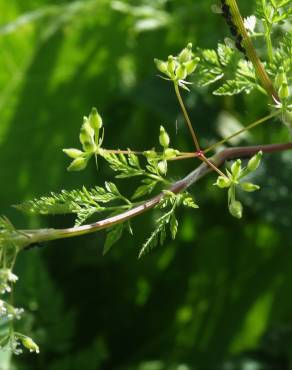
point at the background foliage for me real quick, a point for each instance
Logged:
(216, 298)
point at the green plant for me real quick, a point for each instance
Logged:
(244, 72)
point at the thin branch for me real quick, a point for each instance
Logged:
(27, 237)
(187, 118)
(247, 128)
(251, 52)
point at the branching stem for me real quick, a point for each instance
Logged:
(212, 165)
(33, 236)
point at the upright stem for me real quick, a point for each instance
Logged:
(251, 52)
(187, 118)
(268, 41)
(268, 34)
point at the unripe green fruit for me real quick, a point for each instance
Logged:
(284, 91)
(170, 153)
(95, 120)
(171, 65)
(161, 65)
(163, 137)
(280, 77)
(236, 168)
(235, 208)
(223, 182)
(181, 72)
(162, 167)
(150, 154)
(78, 164)
(191, 65)
(87, 136)
(30, 344)
(255, 161)
(249, 187)
(73, 153)
(186, 54)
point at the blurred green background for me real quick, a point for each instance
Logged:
(219, 297)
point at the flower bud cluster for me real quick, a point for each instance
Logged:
(179, 67)
(233, 180)
(90, 140)
(160, 159)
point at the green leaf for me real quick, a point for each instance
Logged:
(144, 190)
(125, 166)
(225, 54)
(112, 188)
(134, 160)
(190, 203)
(113, 235)
(83, 202)
(234, 87)
(169, 203)
(173, 225)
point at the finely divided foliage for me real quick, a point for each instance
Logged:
(232, 72)
(84, 203)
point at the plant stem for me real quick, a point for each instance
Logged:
(27, 237)
(247, 128)
(187, 118)
(267, 33)
(251, 52)
(184, 156)
(212, 165)
(118, 151)
(268, 41)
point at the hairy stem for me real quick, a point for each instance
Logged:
(251, 52)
